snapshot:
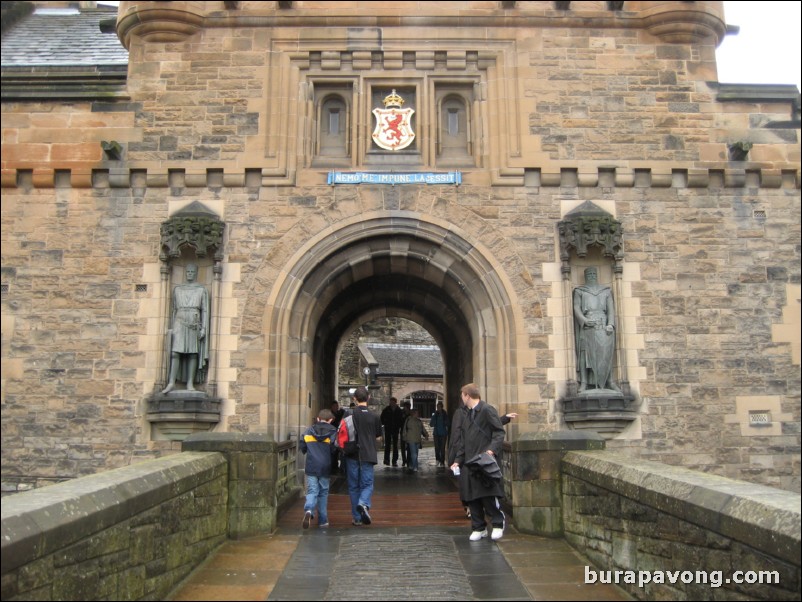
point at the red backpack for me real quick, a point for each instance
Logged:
(346, 440)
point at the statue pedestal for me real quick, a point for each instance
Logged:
(606, 411)
(180, 413)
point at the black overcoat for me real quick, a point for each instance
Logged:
(483, 433)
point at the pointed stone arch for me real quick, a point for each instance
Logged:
(381, 263)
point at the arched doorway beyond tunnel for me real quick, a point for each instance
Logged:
(424, 401)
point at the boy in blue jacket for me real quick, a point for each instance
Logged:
(318, 443)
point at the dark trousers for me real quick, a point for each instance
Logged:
(404, 454)
(490, 506)
(440, 448)
(391, 440)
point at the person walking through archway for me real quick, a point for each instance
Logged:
(439, 425)
(359, 468)
(392, 418)
(413, 432)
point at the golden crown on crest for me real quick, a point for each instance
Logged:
(393, 100)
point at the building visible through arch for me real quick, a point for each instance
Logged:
(456, 164)
(389, 265)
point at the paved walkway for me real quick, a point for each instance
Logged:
(417, 548)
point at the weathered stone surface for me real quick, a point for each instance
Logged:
(125, 534)
(594, 106)
(637, 515)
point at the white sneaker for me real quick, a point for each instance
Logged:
(496, 534)
(477, 535)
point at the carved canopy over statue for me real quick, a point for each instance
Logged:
(202, 233)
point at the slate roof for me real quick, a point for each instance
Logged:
(62, 37)
(407, 360)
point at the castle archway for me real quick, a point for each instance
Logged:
(386, 264)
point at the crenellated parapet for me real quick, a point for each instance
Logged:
(566, 177)
(672, 22)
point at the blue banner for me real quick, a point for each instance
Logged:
(366, 177)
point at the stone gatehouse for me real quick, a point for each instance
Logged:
(456, 164)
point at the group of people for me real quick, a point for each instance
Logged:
(318, 443)
(477, 436)
(476, 431)
(404, 430)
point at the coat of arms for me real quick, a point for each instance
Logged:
(393, 124)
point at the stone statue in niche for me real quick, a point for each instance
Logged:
(189, 332)
(594, 328)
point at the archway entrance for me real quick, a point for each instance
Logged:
(379, 265)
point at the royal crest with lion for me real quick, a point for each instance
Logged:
(393, 124)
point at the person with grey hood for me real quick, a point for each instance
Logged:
(318, 445)
(480, 433)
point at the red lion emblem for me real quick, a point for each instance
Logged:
(393, 122)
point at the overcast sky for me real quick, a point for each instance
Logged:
(767, 49)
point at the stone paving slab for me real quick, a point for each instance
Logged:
(384, 564)
(430, 569)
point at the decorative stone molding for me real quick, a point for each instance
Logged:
(253, 178)
(174, 417)
(673, 22)
(586, 226)
(196, 227)
(156, 22)
(607, 413)
(684, 22)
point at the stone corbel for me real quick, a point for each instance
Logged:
(739, 151)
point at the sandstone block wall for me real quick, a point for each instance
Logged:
(569, 106)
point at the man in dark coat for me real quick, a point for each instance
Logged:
(480, 432)
(392, 418)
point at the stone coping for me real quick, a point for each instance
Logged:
(558, 441)
(38, 522)
(761, 517)
(229, 442)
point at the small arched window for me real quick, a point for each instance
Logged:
(453, 132)
(333, 125)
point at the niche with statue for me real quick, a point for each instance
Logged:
(185, 400)
(597, 394)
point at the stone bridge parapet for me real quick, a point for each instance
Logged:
(135, 532)
(705, 536)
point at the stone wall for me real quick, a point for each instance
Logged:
(134, 532)
(127, 534)
(578, 105)
(636, 517)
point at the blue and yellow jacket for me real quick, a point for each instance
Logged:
(318, 445)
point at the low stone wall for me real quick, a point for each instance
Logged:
(697, 533)
(125, 534)
(136, 532)
(261, 477)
